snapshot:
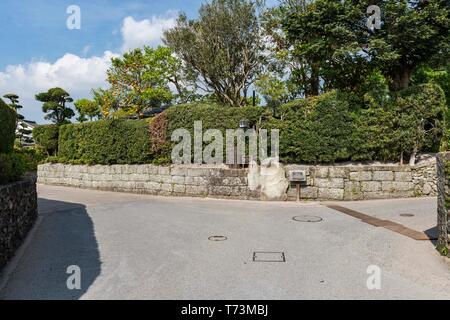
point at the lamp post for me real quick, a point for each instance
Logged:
(244, 125)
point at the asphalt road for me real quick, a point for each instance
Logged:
(144, 247)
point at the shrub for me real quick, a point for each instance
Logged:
(212, 116)
(32, 156)
(46, 137)
(115, 141)
(315, 130)
(8, 119)
(420, 118)
(12, 167)
(373, 137)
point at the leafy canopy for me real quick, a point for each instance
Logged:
(55, 102)
(223, 47)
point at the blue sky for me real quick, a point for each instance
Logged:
(39, 51)
(36, 29)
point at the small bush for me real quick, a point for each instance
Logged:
(32, 156)
(12, 167)
(115, 141)
(8, 117)
(46, 138)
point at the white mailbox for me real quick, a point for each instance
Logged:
(297, 176)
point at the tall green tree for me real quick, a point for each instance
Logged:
(223, 46)
(88, 109)
(340, 50)
(14, 103)
(138, 81)
(55, 102)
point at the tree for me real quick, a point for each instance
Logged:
(107, 102)
(174, 71)
(87, 109)
(14, 100)
(223, 46)
(420, 118)
(138, 81)
(55, 102)
(341, 51)
(273, 90)
(282, 62)
(14, 103)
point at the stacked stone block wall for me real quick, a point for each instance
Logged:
(362, 182)
(18, 212)
(443, 185)
(178, 180)
(350, 182)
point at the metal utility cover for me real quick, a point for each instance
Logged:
(307, 219)
(269, 257)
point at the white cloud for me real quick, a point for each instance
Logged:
(77, 75)
(145, 32)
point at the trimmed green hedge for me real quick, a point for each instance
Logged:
(105, 142)
(46, 137)
(212, 116)
(323, 129)
(12, 167)
(8, 117)
(316, 130)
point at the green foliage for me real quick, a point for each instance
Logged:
(12, 167)
(223, 47)
(115, 141)
(7, 127)
(420, 116)
(373, 135)
(333, 47)
(442, 249)
(55, 104)
(32, 156)
(139, 79)
(274, 91)
(46, 138)
(315, 130)
(14, 101)
(212, 116)
(88, 109)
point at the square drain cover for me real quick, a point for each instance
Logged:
(269, 257)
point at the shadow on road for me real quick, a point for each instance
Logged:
(433, 234)
(64, 238)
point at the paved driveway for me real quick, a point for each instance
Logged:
(143, 247)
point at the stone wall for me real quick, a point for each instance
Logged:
(178, 180)
(18, 212)
(362, 182)
(443, 173)
(349, 182)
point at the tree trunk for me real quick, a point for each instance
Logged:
(412, 159)
(401, 78)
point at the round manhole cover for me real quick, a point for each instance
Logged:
(217, 238)
(407, 215)
(307, 219)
